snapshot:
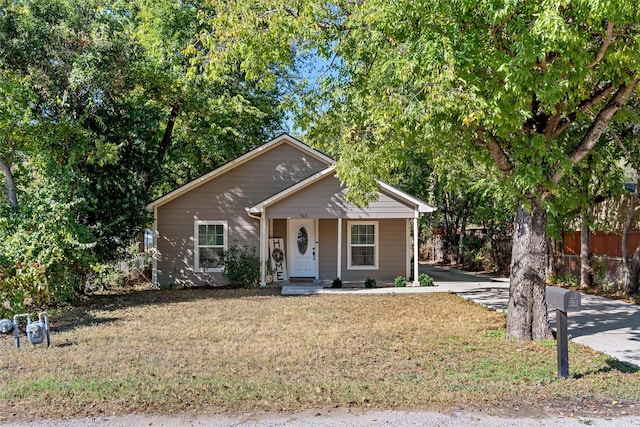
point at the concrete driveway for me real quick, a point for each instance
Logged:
(609, 326)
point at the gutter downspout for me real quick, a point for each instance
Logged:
(154, 270)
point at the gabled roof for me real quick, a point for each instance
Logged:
(282, 139)
(419, 205)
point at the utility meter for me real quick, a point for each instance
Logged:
(6, 326)
(36, 331)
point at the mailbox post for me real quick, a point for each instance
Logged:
(563, 300)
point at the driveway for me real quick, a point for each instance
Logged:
(609, 326)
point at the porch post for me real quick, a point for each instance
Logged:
(415, 251)
(339, 263)
(264, 241)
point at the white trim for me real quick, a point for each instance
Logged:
(415, 252)
(282, 139)
(291, 243)
(196, 243)
(264, 250)
(407, 234)
(421, 206)
(155, 253)
(316, 245)
(339, 268)
(418, 206)
(376, 245)
(256, 209)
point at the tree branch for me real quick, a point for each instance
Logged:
(554, 120)
(599, 125)
(595, 97)
(547, 59)
(496, 151)
(605, 44)
(165, 141)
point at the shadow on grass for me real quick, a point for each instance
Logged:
(78, 318)
(79, 315)
(612, 365)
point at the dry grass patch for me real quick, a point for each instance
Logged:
(233, 350)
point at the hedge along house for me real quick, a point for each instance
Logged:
(284, 199)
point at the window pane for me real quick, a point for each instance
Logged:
(363, 234)
(211, 235)
(202, 235)
(210, 257)
(219, 235)
(362, 256)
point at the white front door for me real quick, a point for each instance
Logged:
(302, 244)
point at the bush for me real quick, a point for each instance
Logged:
(241, 266)
(370, 283)
(45, 256)
(337, 283)
(425, 280)
(133, 268)
(400, 282)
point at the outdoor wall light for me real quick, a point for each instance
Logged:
(36, 331)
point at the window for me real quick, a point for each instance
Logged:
(211, 242)
(363, 245)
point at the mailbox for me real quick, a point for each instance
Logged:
(563, 299)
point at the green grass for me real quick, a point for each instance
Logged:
(169, 352)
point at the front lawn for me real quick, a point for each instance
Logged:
(212, 350)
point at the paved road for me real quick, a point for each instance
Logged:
(339, 418)
(609, 326)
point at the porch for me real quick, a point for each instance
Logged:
(316, 251)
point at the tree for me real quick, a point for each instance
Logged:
(516, 81)
(122, 119)
(15, 117)
(100, 113)
(627, 136)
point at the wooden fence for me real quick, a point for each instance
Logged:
(606, 246)
(602, 244)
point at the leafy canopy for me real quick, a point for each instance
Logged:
(502, 81)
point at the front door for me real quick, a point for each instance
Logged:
(302, 244)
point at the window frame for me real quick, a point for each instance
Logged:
(197, 245)
(375, 246)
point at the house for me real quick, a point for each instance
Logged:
(284, 199)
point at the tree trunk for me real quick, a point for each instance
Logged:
(9, 182)
(527, 317)
(585, 256)
(164, 144)
(631, 265)
(634, 273)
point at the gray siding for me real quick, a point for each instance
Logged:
(225, 197)
(326, 198)
(279, 229)
(392, 259)
(328, 248)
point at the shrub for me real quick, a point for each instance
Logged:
(241, 266)
(45, 255)
(569, 280)
(400, 282)
(425, 280)
(370, 283)
(337, 283)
